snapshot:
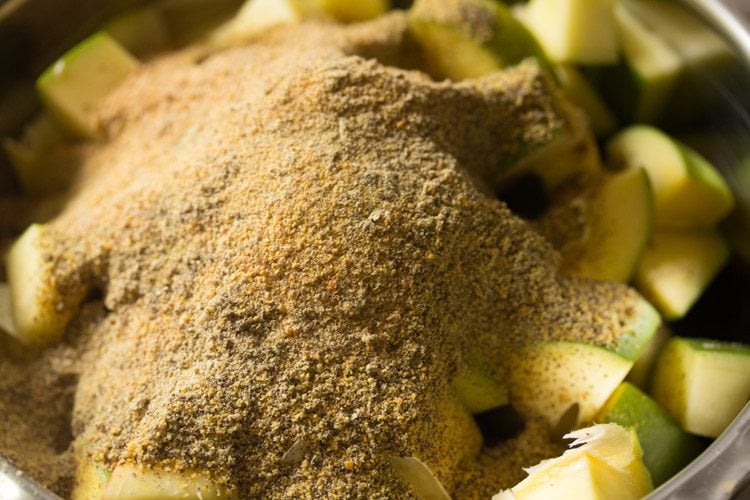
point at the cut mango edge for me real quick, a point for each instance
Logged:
(39, 310)
(619, 217)
(572, 31)
(419, 477)
(31, 156)
(582, 94)
(476, 388)
(89, 481)
(134, 482)
(689, 193)
(603, 460)
(349, 11)
(667, 448)
(72, 86)
(142, 31)
(458, 48)
(545, 379)
(254, 17)
(677, 267)
(642, 371)
(257, 16)
(704, 384)
(456, 430)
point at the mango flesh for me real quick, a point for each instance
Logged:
(640, 86)
(619, 215)
(470, 38)
(677, 266)
(131, 482)
(574, 31)
(477, 390)
(581, 93)
(640, 374)
(141, 31)
(688, 191)
(546, 379)
(605, 463)
(40, 310)
(73, 85)
(666, 447)
(32, 156)
(354, 10)
(90, 480)
(256, 16)
(703, 384)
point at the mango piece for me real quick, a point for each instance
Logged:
(688, 191)
(40, 309)
(678, 266)
(703, 384)
(618, 226)
(470, 38)
(574, 31)
(74, 84)
(604, 463)
(475, 387)
(132, 482)
(546, 379)
(666, 447)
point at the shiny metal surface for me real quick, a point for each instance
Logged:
(719, 473)
(731, 17)
(722, 472)
(14, 485)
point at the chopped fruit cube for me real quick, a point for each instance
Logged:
(581, 93)
(190, 21)
(704, 384)
(688, 191)
(737, 226)
(666, 447)
(572, 153)
(90, 481)
(423, 482)
(641, 85)
(618, 225)
(574, 31)
(471, 38)
(604, 463)
(256, 16)
(40, 310)
(677, 266)
(10, 346)
(6, 317)
(706, 57)
(353, 10)
(131, 482)
(456, 438)
(450, 53)
(545, 379)
(74, 84)
(476, 389)
(33, 156)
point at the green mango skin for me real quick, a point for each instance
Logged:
(666, 447)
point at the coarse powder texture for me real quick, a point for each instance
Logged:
(292, 244)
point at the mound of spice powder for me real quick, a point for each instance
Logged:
(292, 242)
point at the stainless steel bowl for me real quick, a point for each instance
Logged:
(34, 32)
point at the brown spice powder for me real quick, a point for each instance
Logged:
(294, 244)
